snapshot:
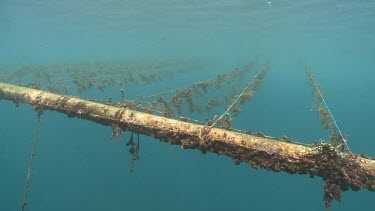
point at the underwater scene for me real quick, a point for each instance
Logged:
(187, 105)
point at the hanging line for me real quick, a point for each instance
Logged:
(344, 141)
(226, 113)
(24, 202)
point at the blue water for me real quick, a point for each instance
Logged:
(78, 168)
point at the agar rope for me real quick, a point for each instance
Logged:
(24, 202)
(329, 111)
(235, 101)
(172, 90)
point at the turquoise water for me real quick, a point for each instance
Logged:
(78, 168)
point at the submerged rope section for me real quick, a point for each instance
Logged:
(184, 93)
(256, 79)
(323, 101)
(24, 202)
(232, 74)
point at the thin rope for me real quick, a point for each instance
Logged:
(24, 202)
(329, 111)
(154, 95)
(186, 86)
(235, 101)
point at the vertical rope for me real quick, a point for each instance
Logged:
(24, 202)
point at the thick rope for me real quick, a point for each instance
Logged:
(24, 202)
